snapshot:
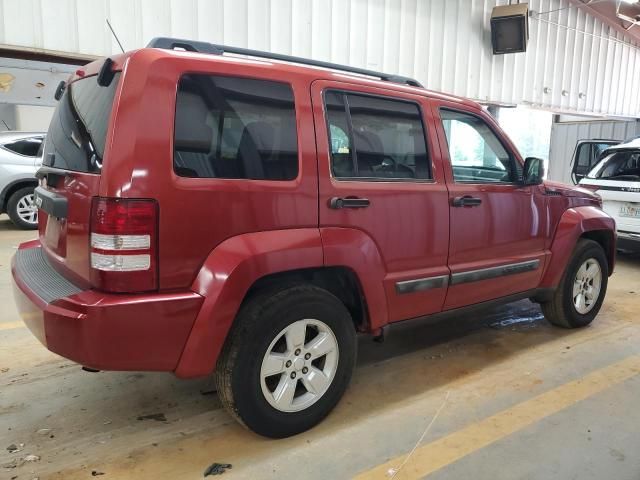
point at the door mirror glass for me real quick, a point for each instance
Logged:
(533, 171)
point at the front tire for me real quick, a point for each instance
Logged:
(578, 298)
(287, 361)
(22, 210)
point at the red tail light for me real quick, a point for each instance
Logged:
(124, 244)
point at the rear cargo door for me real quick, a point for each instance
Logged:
(73, 156)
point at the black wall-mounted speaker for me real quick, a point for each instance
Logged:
(510, 28)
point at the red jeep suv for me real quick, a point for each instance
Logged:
(207, 209)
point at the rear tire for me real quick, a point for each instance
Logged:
(21, 209)
(578, 298)
(299, 341)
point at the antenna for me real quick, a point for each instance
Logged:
(7, 126)
(114, 35)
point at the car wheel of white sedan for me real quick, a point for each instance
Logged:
(22, 209)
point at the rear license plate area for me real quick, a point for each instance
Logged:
(631, 210)
(55, 235)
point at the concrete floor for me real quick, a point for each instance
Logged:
(514, 398)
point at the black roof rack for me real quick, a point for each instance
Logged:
(205, 47)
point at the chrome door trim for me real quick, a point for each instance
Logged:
(494, 272)
(420, 284)
(441, 281)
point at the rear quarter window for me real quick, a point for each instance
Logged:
(229, 127)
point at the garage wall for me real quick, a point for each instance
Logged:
(443, 43)
(7, 116)
(30, 118)
(27, 82)
(33, 117)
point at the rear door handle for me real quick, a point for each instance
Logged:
(466, 201)
(349, 202)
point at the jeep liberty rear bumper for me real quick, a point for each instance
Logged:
(144, 332)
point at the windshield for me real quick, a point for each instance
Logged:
(623, 164)
(78, 130)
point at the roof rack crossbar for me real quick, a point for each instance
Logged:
(210, 48)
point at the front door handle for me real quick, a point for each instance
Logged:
(349, 202)
(466, 201)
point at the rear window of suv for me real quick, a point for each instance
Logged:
(229, 127)
(78, 130)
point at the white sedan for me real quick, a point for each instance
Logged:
(616, 178)
(20, 157)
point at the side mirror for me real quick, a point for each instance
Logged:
(533, 172)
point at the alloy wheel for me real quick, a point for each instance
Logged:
(587, 286)
(27, 209)
(299, 365)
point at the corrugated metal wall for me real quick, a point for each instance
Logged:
(443, 43)
(564, 137)
(28, 82)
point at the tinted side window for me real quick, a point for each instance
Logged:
(584, 155)
(374, 137)
(583, 159)
(340, 137)
(476, 153)
(229, 127)
(28, 147)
